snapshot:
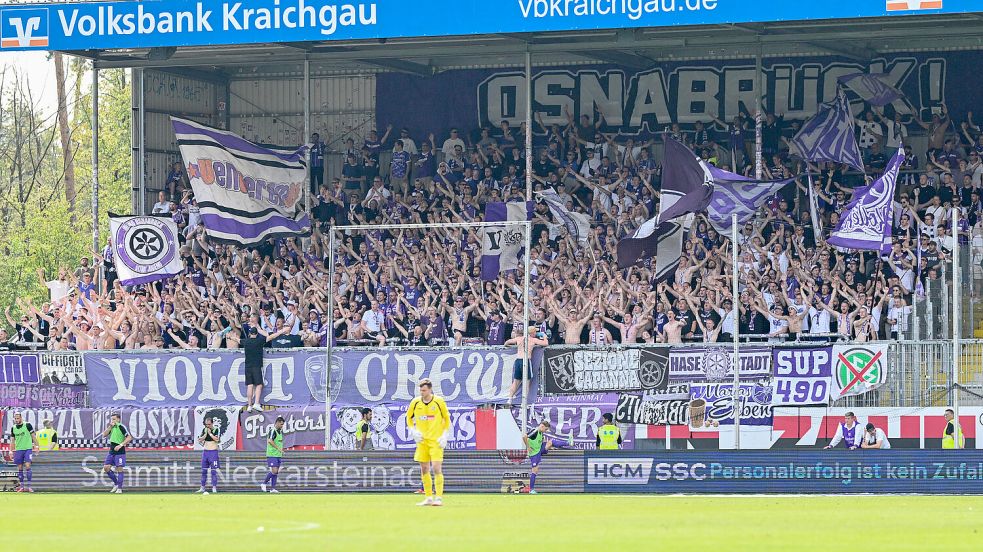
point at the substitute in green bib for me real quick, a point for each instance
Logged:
(23, 442)
(274, 455)
(608, 435)
(48, 437)
(952, 437)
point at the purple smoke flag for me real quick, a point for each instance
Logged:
(828, 135)
(502, 247)
(872, 88)
(247, 193)
(145, 248)
(866, 224)
(734, 193)
(686, 182)
(577, 224)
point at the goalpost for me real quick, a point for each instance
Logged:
(333, 231)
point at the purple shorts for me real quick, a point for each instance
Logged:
(535, 459)
(23, 456)
(273, 461)
(118, 460)
(209, 459)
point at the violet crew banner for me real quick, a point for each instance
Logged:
(83, 427)
(712, 364)
(590, 370)
(712, 405)
(19, 395)
(802, 376)
(296, 378)
(145, 248)
(246, 193)
(388, 431)
(303, 427)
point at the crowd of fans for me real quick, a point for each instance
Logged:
(423, 287)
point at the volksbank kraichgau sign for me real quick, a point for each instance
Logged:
(106, 25)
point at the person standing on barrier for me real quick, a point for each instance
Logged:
(953, 434)
(274, 455)
(608, 435)
(428, 420)
(524, 357)
(24, 443)
(119, 437)
(48, 438)
(874, 438)
(209, 440)
(363, 439)
(848, 432)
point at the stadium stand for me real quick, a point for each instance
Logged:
(422, 287)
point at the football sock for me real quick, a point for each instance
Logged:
(119, 475)
(29, 474)
(427, 484)
(214, 477)
(269, 477)
(20, 475)
(273, 480)
(112, 476)
(532, 481)
(439, 481)
(204, 476)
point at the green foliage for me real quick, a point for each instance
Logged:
(37, 227)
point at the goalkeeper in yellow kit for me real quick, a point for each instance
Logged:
(428, 421)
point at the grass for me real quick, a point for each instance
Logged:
(186, 522)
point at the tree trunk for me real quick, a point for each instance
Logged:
(68, 153)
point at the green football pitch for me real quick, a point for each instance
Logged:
(187, 523)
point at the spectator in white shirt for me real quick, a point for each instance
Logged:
(162, 207)
(874, 438)
(372, 322)
(451, 143)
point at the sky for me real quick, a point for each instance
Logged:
(40, 73)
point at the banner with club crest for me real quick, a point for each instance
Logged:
(145, 248)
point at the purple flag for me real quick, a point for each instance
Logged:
(686, 182)
(502, 247)
(734, 193)
(866, 224)
(663, 241)
(247, 193)
(145, 248)
(828, 135)
(872, 88)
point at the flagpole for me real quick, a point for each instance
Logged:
(525, 331)
(737, 329)
(329, 350)
(956, 320)
(757, 116)
(528, 136)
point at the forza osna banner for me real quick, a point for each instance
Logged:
(858, 471)
(301, 471)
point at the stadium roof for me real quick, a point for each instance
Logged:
(455, 33)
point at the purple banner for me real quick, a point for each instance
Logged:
(83, 427)
(43, 396)
(302, 427)
(297, 378)
(866, 224)
(389, 432)
(578, 416)
(802, 376)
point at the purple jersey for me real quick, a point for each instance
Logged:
(849, 435)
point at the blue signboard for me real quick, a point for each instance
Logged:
(105, 25)
(859, 471)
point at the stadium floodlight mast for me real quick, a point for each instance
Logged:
(332, 249)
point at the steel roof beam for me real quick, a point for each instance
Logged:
(401, 66)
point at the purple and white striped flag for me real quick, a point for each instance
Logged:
(577, 224)
(828, 135)
(734, 193)
(872, 88)
(866, 223)
(246, 193)
(502, 247)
